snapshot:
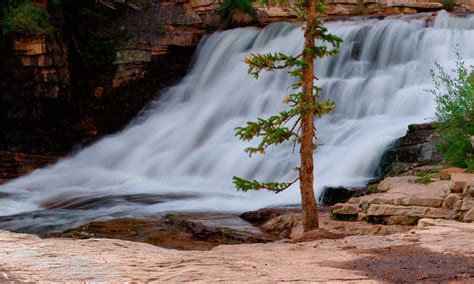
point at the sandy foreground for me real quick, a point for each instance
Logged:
(436, 250)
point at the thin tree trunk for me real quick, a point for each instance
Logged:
(308, 200)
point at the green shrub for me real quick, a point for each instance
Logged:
(424, 177)
(26, 19)
(448, 4)
(227, 8)
(455, 113)
(360, 8)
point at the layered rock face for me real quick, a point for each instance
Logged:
(50, 99)
(416, 148)
(405, 199)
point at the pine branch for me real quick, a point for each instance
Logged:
(246, 185)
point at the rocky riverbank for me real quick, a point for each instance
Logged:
(435, 250)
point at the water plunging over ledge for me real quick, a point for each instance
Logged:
(180, 153)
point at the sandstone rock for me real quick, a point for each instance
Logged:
(413, 211)
(469, 190)
(445, 174)
(416, 5)
(282, 225)
(361, 216)
(469, 216)
(402, 192)
(460, 182)
(467, 204)
(458, 205)
(273, 14)
(390, 182)
(462, 178)
(451, 200)
(400, 220)
(472, 141)
(201, 3)
(30, 46)
(265, 214)
(345, 209)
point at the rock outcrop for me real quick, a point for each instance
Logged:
(435, 251)
(406, 199)
(416, 148)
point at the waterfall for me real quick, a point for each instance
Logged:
(180, 153)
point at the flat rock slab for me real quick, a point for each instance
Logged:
(361, 259)
(412, 211)
(404, 191)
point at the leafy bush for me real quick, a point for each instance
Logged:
(227, 8)
(360, 8)
(424, 176)
(26, 19)
(448, 4)
(455, 113)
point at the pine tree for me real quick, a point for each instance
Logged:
(295, 124)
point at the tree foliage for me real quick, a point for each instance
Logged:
(227, 8)
(286, 126)
(25, 18)
(454, 95)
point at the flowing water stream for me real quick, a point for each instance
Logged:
(180, 153)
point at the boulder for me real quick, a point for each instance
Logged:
(469, 190)
(469, 216)
(457, 205)
(467, 204)
(391, 182)
(284, 225)
(412, 211)
(265, 214)
(445, 174)
(400, 191)
(451, 200)
(400, 220)
(461, 181)
(416, 148)
(345, 209)
(340, 194)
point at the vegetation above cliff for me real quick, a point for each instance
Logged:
(25, 18)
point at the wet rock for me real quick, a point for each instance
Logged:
(339, 194)
(265, 214)
(14, 164)
(174, 231)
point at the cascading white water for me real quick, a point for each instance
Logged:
(180, 154)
